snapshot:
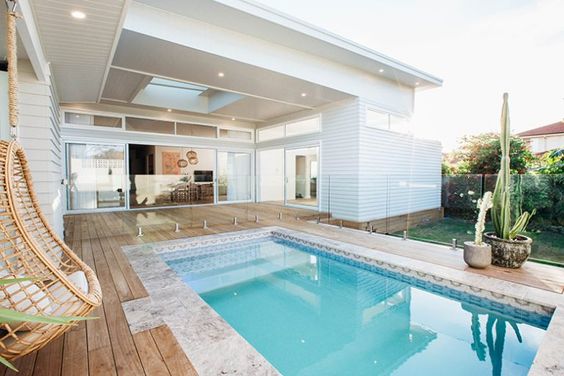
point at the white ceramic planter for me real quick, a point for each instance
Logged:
(477, 256)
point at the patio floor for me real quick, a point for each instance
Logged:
(106, 346)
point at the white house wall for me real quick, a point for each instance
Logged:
(39, 134)
(399, 173)
(541, 144)
(338, 190)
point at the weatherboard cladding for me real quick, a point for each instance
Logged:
(39, 133)
(399, 173)
(339, 155)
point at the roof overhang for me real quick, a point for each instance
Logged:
(255, 64)
(257, 20)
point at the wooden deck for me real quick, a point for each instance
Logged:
(106, 346)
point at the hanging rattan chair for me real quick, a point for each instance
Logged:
(63, 285)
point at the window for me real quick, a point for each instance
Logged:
(389, 122)
(196, 130)
(303, 127)
(375, 119)
(239, 135)
(272, 133)
(148, 125)
(294, 128)
(399, 124)
(92, 120)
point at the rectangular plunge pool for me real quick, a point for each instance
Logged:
(311, 312)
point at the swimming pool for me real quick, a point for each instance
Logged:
(312, 312)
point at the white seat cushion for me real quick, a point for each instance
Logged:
(61, 294)
(66, 302)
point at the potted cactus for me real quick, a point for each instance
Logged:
(478, 254)
(510, 248)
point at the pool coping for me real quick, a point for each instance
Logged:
(203, 334)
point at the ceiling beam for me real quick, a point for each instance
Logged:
(114, 46)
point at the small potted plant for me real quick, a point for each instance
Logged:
(478, 254)
(510, 248)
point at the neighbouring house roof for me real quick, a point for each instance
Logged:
(555, 128)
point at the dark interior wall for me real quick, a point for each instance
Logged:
(141, 160)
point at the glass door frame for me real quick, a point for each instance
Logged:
(286, 180)
(285, 148)
(67, 164)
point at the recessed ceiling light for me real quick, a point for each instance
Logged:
(79, 15)
(233, 119)
(221, 74)
(381, 70)
(304, 94)
(169, 109)
(417, 83)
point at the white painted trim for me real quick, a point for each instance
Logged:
(29, 36)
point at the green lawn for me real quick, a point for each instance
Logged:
(547, 245)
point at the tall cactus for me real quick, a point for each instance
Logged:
(501, 211)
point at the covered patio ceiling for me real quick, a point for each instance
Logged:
(233, 88)
(245, 61)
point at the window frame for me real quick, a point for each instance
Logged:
(285, 124)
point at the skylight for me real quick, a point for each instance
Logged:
(177, 84)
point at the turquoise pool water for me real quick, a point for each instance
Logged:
(312, 313)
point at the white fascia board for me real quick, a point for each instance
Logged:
(29, 36)
(209, 38)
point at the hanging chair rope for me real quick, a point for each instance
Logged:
(12, 47)
(62, 285)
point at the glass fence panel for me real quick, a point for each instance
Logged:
(96, 176)
(168, 190)
(422, 206)
(459, 195)
(455, 214)
(443, 209)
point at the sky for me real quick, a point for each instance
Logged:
(480, 48)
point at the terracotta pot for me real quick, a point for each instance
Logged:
(509, 253)
(477, 256)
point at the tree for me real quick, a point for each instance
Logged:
(552, 162)
(480, 154)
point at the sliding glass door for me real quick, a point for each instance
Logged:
(96, 176)
(170, 176)
(301, 176)
(234, 176)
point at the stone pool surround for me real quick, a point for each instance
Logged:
(214, 348)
